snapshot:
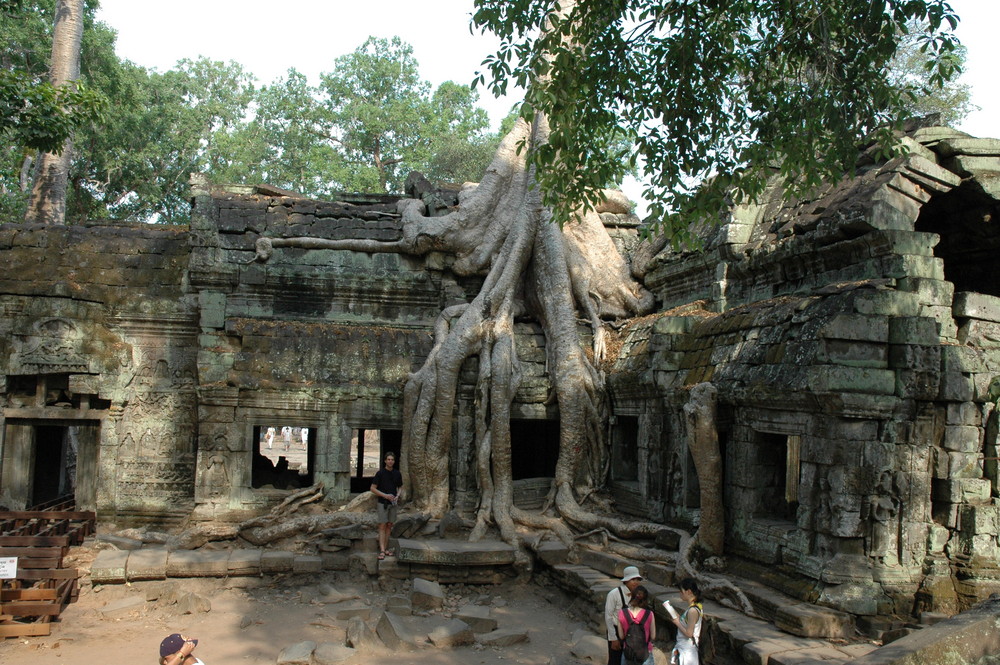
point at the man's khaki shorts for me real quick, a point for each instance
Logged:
(386, 513)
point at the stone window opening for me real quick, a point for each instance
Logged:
(625, 449)
(966, 221)
(283, 456)
(534, 448)
(778, 468)
(368, 448)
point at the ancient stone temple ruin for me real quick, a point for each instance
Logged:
(853, 338)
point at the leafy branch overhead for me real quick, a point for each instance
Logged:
(716, 97)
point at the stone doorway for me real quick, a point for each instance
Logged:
(534, 448)
(368, 448)
(47, 459)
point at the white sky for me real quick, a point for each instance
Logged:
(268, 38)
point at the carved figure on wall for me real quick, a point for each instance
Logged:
(216, 475)
(884, 516)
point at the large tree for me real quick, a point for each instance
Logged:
(47, 204)
(704, 88)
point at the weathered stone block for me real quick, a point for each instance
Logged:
(184, 563)
(395, 634)
(981, 520)
(503, 637)
(346, 611)
(812, 621)
(831, 379)
(914, 330)
(455, 633)
(917, 384)
(193, 603)
(244, 562)
(327, 653)
(980, 334)
(299, 653)
(147, 564)
(455, 552)
(307, 563)
(856, 327)
(852, 353)
(109, 567)
(276, 561)
(962, 490)
(965, 413)
(426, 594)
(970, 305)
(963, 438)
(956, 387)
(477, 617)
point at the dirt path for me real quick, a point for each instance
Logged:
(253, 619)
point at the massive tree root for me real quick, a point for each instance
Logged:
(532, 268)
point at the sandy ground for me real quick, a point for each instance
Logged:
(253, 619)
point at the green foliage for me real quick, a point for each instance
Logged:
(909, 71)
(713, 97)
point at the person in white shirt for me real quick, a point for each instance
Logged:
(617, 599)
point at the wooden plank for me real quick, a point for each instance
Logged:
(32, 609)
(24, 629)
(34, 541)
(25, 562)
(48, 574)
(27, 594)
(48, 515)
(32, 552)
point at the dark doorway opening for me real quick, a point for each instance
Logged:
(283, 456)
(625, 449)
(778, 473)
(368, 448)
(534, 448)
(55, 464)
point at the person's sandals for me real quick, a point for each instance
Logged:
(381, 555)
(390, 553)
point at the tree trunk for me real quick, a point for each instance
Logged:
(703, 442)
(47, 204)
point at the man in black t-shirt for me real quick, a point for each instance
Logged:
(386, 487)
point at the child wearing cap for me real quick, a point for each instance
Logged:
(175, 649)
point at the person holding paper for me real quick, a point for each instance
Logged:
(688, 624)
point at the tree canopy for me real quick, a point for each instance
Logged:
(714, 96)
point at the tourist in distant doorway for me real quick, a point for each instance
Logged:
(688, 624)
(616, 600)
(176, 649)
(304, 434)
(637, 613)
(286, 436)
(386, 486)
(269, 437)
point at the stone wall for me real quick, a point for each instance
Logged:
(856, 386)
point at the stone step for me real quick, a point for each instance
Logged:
(455, 552)
(756, 641)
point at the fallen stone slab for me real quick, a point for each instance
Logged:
(109, 567)
(185, 563)
(244, 562)
(120, 542)
(193, 603)
(328, 652)
(455, 552)
(398, 605)
(336, 560)
(147, 564)
(396, 633)
(363, 563)
(276, 562)
(455, 633)
(965, 638)
(503, 637)
(362, 638)
(353, 609)
(477, 617)
(587, 646)
(123, 606)
(307, 563)
(552, 552)
(297, 654)
(426, 595)
(809, 657)
(812, 621)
